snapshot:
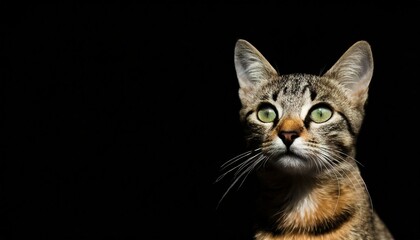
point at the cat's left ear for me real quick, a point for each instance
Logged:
(354, 70)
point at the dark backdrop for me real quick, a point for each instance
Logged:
(116, 118)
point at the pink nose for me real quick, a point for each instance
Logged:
(288, 137)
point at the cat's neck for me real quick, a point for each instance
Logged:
(310, 204)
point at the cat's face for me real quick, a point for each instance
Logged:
(303, 123)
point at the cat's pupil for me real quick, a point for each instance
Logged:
(320, 112)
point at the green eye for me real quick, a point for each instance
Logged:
(266, 114)
(321, 114)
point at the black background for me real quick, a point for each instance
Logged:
(116, 118)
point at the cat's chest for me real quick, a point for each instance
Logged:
(316, 215)
(303, 207)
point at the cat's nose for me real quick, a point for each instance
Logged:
(288, 137)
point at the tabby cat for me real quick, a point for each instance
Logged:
(301, 130)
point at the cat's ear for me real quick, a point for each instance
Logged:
(354, 70)
(251, 66)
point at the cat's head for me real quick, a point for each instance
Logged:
(301, 122)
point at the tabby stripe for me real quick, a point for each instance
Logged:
(349, 127)
(275, 95)
(327, 226)
(334, 223)
(249, 113)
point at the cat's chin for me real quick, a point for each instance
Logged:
(292, 163)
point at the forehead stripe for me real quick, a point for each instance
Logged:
(275, 95)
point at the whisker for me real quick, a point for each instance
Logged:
(326, 161)
(243, 169)
(239, 167)
(250, 168)
(360, 181)
(250, 165)
(338, 152)
(239, 157)
(242, 166)
(236, 159)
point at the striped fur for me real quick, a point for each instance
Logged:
(311, 187)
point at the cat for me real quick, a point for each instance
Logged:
(301, 131)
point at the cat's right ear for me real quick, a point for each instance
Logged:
(354, 71)
(251, 66)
